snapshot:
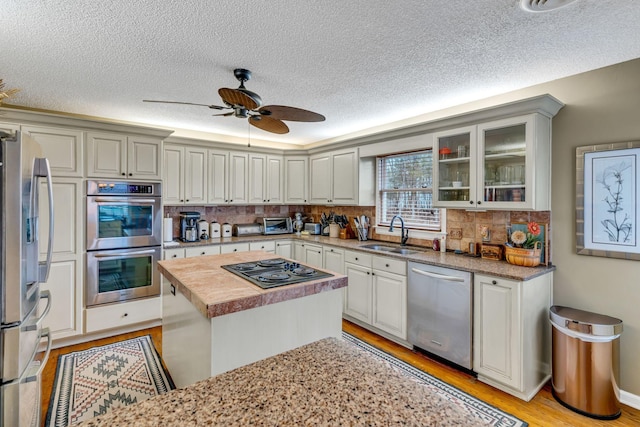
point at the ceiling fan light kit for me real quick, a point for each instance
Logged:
(543, 5)
(246, 104)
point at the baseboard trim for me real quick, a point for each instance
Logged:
(629, 399)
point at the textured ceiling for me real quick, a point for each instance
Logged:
(361, 63)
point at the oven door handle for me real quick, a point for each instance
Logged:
(121, 254)
(128, 200)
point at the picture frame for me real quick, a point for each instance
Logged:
(607, 196)
(543, 236)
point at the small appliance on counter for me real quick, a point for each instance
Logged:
(246, 229)
(276, 225)
(313, 228)
(189, 226)
(214, 230)
(203, 229)
(226, 230)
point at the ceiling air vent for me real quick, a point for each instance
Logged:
(543, 5)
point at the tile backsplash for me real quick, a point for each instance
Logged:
(463, 227)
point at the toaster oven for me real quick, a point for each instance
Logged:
(277, 225)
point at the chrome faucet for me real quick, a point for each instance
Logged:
(404, 235)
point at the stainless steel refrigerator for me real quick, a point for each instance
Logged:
(22, 167)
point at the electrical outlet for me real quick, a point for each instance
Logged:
(455, 233)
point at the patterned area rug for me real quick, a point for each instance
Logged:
(478, 408)
(93, 382)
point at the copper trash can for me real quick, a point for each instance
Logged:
(586, 361)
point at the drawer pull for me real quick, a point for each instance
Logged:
(125, 315)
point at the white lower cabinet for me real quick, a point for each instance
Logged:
(64, 318)
(201, 251)
(110, 316)
(308, 254)
(234, 247)
(512, 334)
(333, 260)
(284, 248)
(263, 246)
(377, 292)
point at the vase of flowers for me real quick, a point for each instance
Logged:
(524, 248)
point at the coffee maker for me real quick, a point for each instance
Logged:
(189, 226)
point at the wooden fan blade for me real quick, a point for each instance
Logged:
(214, 107)
(269, 124)
(236, 97)
(282, 112)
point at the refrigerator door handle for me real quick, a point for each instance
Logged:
(43, 169)
(34, 376)
(36, 323)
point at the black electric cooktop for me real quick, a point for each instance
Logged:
(271, 273)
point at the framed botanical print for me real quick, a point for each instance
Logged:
(607, 196)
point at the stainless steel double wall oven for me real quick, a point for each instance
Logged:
(124, 238)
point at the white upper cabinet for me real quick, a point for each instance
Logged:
(500, 159)
(185, 175)
(218, 174)
(228, 175)
(504, 164)
(238, 193)
(265, 179)
(334, 177)
(296, 175)
(63, 148)
(112, 155)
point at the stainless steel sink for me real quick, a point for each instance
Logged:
(379, 248)
(403, 251)
(390, 249)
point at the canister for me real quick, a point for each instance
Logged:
(214, 230)
(226, 229)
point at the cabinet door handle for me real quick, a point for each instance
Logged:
(125, 315)
(494, 282)
(202, 253)
(470, 202)
(124, 174)
(479, 202)
(130, 174)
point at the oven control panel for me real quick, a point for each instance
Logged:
(124, 188)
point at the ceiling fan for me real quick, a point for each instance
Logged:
(246, 104)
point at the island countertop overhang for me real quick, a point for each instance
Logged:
(213, 291)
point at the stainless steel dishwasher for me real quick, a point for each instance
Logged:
(439, 311)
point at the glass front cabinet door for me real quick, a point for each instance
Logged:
(504, 164)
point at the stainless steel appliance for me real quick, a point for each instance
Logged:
(246, 229)
(277, 225)
(189, 226)
(439, 311)
(124, 237)
(271, 273)
(313, 227)
(21, 167)
(123, 214)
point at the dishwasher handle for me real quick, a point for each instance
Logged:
(438, 276)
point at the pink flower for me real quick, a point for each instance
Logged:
(534, 228)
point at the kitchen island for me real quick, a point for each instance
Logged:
(326, 383)
(215, 321)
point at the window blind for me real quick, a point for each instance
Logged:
(405, 189)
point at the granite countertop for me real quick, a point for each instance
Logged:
(424, 255)
(214, 291)
(328, 382)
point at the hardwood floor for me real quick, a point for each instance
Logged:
(542, 410)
